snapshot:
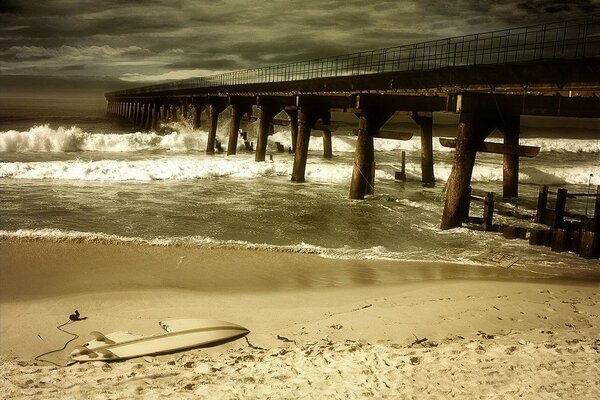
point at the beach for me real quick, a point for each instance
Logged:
(318, 326)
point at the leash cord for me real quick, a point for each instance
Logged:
(59, 327)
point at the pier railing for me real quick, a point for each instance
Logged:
(566, 40)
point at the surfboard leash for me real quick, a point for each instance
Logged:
(72, 318)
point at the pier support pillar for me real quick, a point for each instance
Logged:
(267, 113)
(473, 128)
(139, 115)
(234, 129)
(198, 108)
(307, 116)
(425, 122)
(240, 106)
(293, 114)
(216, 106)
(370, 121)
(510, 128)
(148, 116)
(327, 149)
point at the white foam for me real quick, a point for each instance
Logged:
(45, 139)
(57, 235)
(176, 168)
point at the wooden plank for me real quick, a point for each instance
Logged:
(498, 148)
(389, 134)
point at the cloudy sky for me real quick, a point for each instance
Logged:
(143, 41)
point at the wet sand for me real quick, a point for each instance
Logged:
(319, 327)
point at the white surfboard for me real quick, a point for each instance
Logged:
(181, 334)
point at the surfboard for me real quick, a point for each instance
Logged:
(181, 334)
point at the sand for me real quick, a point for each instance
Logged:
(319, 327)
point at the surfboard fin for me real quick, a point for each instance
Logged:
(106, 353)
(101, 337)
(83, 351)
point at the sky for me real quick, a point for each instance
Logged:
(126, 43)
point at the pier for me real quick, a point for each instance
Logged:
(489, 79)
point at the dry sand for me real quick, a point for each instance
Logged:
(341, 329)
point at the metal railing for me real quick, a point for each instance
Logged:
(572, 39)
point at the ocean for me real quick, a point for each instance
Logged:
(69, 172)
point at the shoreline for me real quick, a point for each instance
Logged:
(318, 326)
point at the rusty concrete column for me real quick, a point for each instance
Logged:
(306, 119)
(266, 118)
(510, 128)
(293, 114)
(234, 128)
(473, 128)
(425, 123)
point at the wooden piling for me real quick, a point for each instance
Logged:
(327, 149)
(542, 204)
(425, 122)
(212, 129)
(266, 117)
(401, 175)
(559, 208)
(293, 114)
(559, 239)
(473, 128)
(234, 128)
(198, 108)
(488, 211)
(363, 160)
(509, 125)
(306, 119)
(589, 245)
(371, 119)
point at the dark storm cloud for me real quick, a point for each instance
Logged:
(158, 39)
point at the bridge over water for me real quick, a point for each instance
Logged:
(490, 79)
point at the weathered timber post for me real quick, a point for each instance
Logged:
(307, 116)
(234, 128)
(327, 149)
(370, 121)
(425, 122)
(590, 237)
(269, 107)
(139, 115)
(184, 111)
(559, 208)
(293, 114)
(240, 106)
(199, 106)
(473, 128)
(488, 211)
(148, 116)
(216, 106)
(510, 127)
(542, 204)
(267, 113)
(154, 119)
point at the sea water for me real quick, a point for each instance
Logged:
(69, 171)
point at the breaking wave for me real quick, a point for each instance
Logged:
(43, 138)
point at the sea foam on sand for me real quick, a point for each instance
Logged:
(319, 327)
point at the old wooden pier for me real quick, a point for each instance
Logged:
(490, 79)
